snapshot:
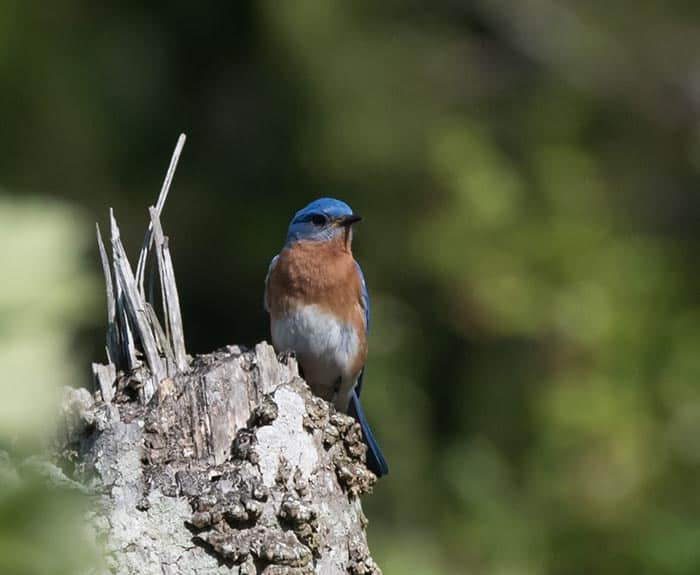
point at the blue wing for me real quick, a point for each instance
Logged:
(266, 303)
(364, 301)
(365, 296)
(375, 460)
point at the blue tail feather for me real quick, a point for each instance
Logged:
(375, 460)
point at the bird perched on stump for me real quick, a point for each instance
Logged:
(317, 299)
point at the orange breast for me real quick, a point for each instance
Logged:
(321, 274)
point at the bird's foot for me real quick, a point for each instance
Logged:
(285, 356)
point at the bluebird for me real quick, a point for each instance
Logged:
(316, 296)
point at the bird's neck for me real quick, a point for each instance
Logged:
(339, 242)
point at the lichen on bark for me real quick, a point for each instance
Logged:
(265, 481)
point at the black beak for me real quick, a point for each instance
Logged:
(350, 220)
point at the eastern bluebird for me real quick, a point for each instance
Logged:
(317, 299)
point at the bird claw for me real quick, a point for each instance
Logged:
(285, 356)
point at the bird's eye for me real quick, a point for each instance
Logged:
(318, 219)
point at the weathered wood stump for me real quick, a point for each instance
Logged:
(232, 467)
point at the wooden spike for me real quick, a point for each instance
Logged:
(162, 341)
(135, 308)
(171, 307)
(112, 344)
(108, 276)
(162, 196)
(158, 244)
(128, 359)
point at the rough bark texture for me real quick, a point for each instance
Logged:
(232, 467)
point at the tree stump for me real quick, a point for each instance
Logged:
(232, 467)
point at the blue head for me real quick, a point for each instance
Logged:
(322, 220)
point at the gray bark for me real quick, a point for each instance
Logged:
(232, 467)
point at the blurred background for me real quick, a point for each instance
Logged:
(528, 173)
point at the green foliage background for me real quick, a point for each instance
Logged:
(528, 173)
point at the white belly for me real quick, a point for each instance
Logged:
(325, 347)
